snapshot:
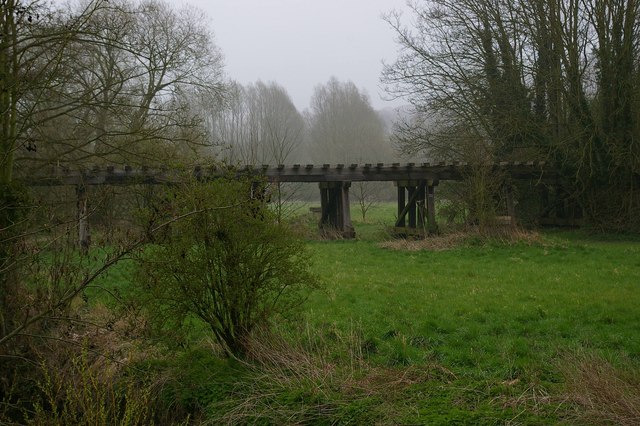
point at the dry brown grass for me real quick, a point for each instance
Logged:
(85, 395)
(109, 340)
(82, 375)
(602, 393)
(432, 243)
(532, 399)
(78, 362)
(301, 382)
(469, 236)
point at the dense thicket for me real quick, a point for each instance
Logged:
(524, 80)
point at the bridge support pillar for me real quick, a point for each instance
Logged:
(416, 204)
(432, 225)
(335, 220)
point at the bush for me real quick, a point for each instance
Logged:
(224, 260)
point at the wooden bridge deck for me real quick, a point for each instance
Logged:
(415, 185)
(295, 173)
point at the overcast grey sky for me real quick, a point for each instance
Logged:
(302, 43)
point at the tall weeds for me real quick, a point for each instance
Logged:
(303, 380)
(84, 395)
(601, 392)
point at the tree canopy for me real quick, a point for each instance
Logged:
(102, 81)
(524, 80)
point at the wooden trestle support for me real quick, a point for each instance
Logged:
(335, 219)
(416, 207)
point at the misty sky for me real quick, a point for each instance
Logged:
(302, 43)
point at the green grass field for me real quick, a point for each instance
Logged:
(483, 333)
(492, 315)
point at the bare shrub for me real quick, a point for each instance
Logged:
(227, 262)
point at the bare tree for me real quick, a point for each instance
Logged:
(124, 86)
(98, 81)
(258, 125)
(366, 196)
(27, 33)
(283, 126)
(461, 68)
(283, 130)
(343, 127)
(523, 80)
(226, 124)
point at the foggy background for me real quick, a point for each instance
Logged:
(300, 44)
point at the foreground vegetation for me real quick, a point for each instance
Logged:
(460, 329)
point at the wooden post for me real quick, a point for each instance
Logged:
(432, 226)
(84, 237)
(420, 205)
(344, 209)
(412, 206)
(415, 202)
(324, 204)
(544, 201)
(336, 212)
(336, 201)
(560, 203)
(401, 222)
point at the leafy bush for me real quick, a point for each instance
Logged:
(224, 260)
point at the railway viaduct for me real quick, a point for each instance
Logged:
(416, 185)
